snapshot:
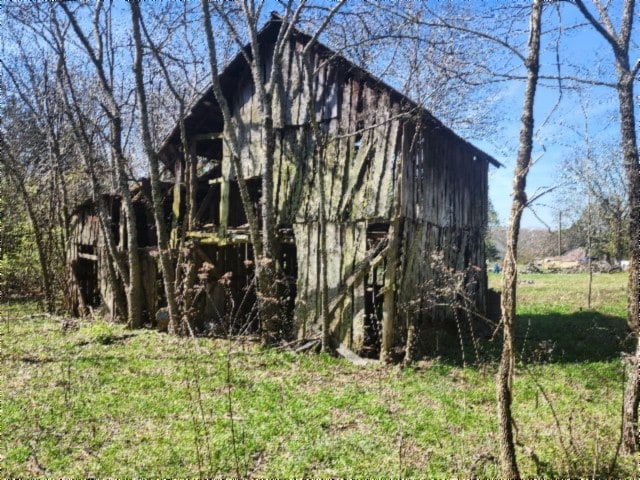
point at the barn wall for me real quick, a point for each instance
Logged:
(82, 261)
(359, 181)
(442, 189)
(444, 202)
(89, 261)
(346, 248)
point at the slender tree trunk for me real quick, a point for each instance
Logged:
(71, 111)
(134, 285)
(43, 258)
(38, 235)
(258, 233)
(619, 42)
(632, 169)
(134, 278)
(320, 150)
(272, 325)
(389, 311)
(168, 274)
(589, 246)
(506, 368)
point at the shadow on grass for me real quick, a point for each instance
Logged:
(586, 336)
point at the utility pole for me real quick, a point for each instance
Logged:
(559, 232)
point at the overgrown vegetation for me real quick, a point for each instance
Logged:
(93, 399)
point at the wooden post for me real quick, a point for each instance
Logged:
(224, 194)
(389, 300)
(175, 208)
(387, 339)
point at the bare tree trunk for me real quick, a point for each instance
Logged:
(589, 241)
(71, 110)
(185, 275)
(168, 275)
(619, 42)
(134, 277)
(9, 163)
(630, 153)
(506, 369)
(272, 325)
(264, 236)
(320, 151)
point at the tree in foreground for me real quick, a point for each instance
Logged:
(506, 370)
(625, 76)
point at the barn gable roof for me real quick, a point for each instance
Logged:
(205, 115)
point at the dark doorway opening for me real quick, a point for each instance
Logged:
(373, 297)
(86, 273)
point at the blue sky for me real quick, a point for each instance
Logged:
(583, 53)
(562, 137)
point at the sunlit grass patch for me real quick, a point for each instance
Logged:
(95, 399)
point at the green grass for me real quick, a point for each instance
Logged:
(98, 400)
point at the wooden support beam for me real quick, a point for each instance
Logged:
(175, 207)
(353, 357)
(207, 238)
(373, 258)
(208, 136)
(224, 195)
(416, 242)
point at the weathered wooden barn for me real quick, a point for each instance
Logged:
(89, 263)
(393, 174)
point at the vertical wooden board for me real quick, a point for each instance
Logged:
(421, 179)
(408, 160)
(341, 158)
(358, 292)
(437, 185)
(454, 176)
(353, 200)
(371, 188)
(304, 182)
(333, 181)
(306, 296)
(375, 161)
(430, 180)
(246, 112)
(431, 184)
(226, 171)
(301, 101)
(386, 158)
(463, 182)
(295, 86)
(279, 174)
(320, 86)
(300, 305)
(405, 286)
(409, 180)
(442, 192)
(104, 286)
(330, 97)
(286, 159)
(284, 95)
(342, 269)
(352, 251)
(337, 253)
(149, 283)
(349, 119)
